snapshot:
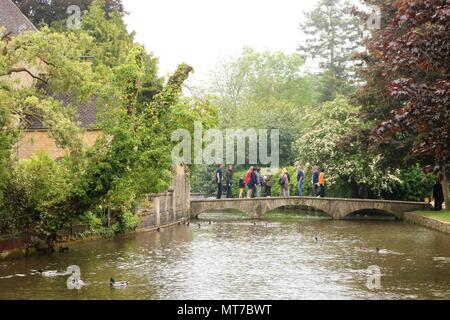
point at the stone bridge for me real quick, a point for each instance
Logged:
(336, 208)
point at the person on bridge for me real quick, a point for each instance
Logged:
(253, 182)
(219, 181)
(315, 181)
(229, 181)
(438, 193)
(284, 183)
(258, 182)
(268, 185)
(322, 183)
(241, 187)
(300, 180)
(248, 182)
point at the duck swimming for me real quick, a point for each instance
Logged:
(118, 284)
(382, 251)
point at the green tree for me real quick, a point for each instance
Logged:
(264, 90)
(328, 141)
(332, 36)
(133, 155)
(345, 163)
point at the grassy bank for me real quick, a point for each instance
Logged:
(443, 215)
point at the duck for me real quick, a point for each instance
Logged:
(382, 251)
(316, 238)
(49, 274)
(117, 284)
(63, 249)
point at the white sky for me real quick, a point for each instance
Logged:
(199, 32)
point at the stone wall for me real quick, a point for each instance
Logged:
(427, 222)
(167, 208)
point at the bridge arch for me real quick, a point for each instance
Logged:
(375, 212)
(315, 208)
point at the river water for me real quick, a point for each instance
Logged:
(230, 257)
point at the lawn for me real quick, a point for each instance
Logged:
(443, 215)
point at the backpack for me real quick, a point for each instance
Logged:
(282, 182)
(248, 177)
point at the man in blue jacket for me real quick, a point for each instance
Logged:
(300, 180)
(315, 181)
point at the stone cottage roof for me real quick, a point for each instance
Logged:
(86, 112)
(13, 19)
(16, 22)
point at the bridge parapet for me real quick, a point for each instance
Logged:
(337, 208)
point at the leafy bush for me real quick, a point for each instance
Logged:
(127, 222)
(414, 185)
(36, 188)
(98, 232)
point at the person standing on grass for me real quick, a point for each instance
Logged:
(300, 180)
(438, 193)
(219, 180)
(229, 182)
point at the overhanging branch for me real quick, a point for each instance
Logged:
(18, 70)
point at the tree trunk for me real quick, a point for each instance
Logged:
(446, 187)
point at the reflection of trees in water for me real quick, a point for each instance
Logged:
(296, 211)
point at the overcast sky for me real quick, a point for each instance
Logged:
(199, 32)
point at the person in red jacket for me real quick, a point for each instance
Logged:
(248, 182)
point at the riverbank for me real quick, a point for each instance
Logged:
(443, 215)
(157, 211)
(16, 247)
(439, 221)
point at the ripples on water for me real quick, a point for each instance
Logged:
(284, 256)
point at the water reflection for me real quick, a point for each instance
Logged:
(234, 258)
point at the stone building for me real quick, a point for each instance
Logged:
(36, 137)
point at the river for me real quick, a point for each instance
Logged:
(287, 255)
